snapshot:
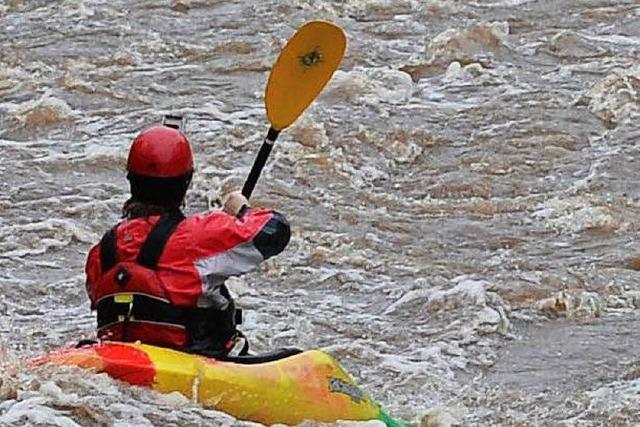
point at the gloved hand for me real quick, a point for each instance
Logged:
(234, 202)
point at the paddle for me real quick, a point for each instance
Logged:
(301, 71)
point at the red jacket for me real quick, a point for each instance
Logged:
(199, 255)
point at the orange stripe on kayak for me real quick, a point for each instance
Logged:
(85, 357)
(125, 362)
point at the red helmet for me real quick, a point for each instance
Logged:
(160, 152)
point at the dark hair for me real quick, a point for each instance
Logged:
(155, 196)
(134, 209)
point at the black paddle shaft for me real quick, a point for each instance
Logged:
(258, 164)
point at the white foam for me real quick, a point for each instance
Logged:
(444, 417)
(573, 304)
(60, 395)
(616, 98)
(51, 109)
(29, 239)
(468, 45)
(34, 411)
(619, 400)
(576, 214)
(618, 39)
(571, 44)
(369, 86)
(77, 8)
(503, 3)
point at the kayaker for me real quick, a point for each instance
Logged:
(158, 277)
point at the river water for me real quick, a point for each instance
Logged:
(463, 197)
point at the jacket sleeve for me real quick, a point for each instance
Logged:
(273, 237)
(92, 270)
(227, 246)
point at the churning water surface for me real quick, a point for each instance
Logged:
(463, 197)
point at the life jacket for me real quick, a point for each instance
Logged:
(132, 302)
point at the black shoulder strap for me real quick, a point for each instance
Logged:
(108, 249)
(157, 239)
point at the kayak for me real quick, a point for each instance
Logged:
(286, 389)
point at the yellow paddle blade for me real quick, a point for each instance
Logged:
(303, 68)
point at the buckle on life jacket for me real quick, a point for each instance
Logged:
(123, 298)
(125, 319)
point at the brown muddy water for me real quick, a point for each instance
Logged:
(463, 197)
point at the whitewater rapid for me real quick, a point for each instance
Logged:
(463, 197)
